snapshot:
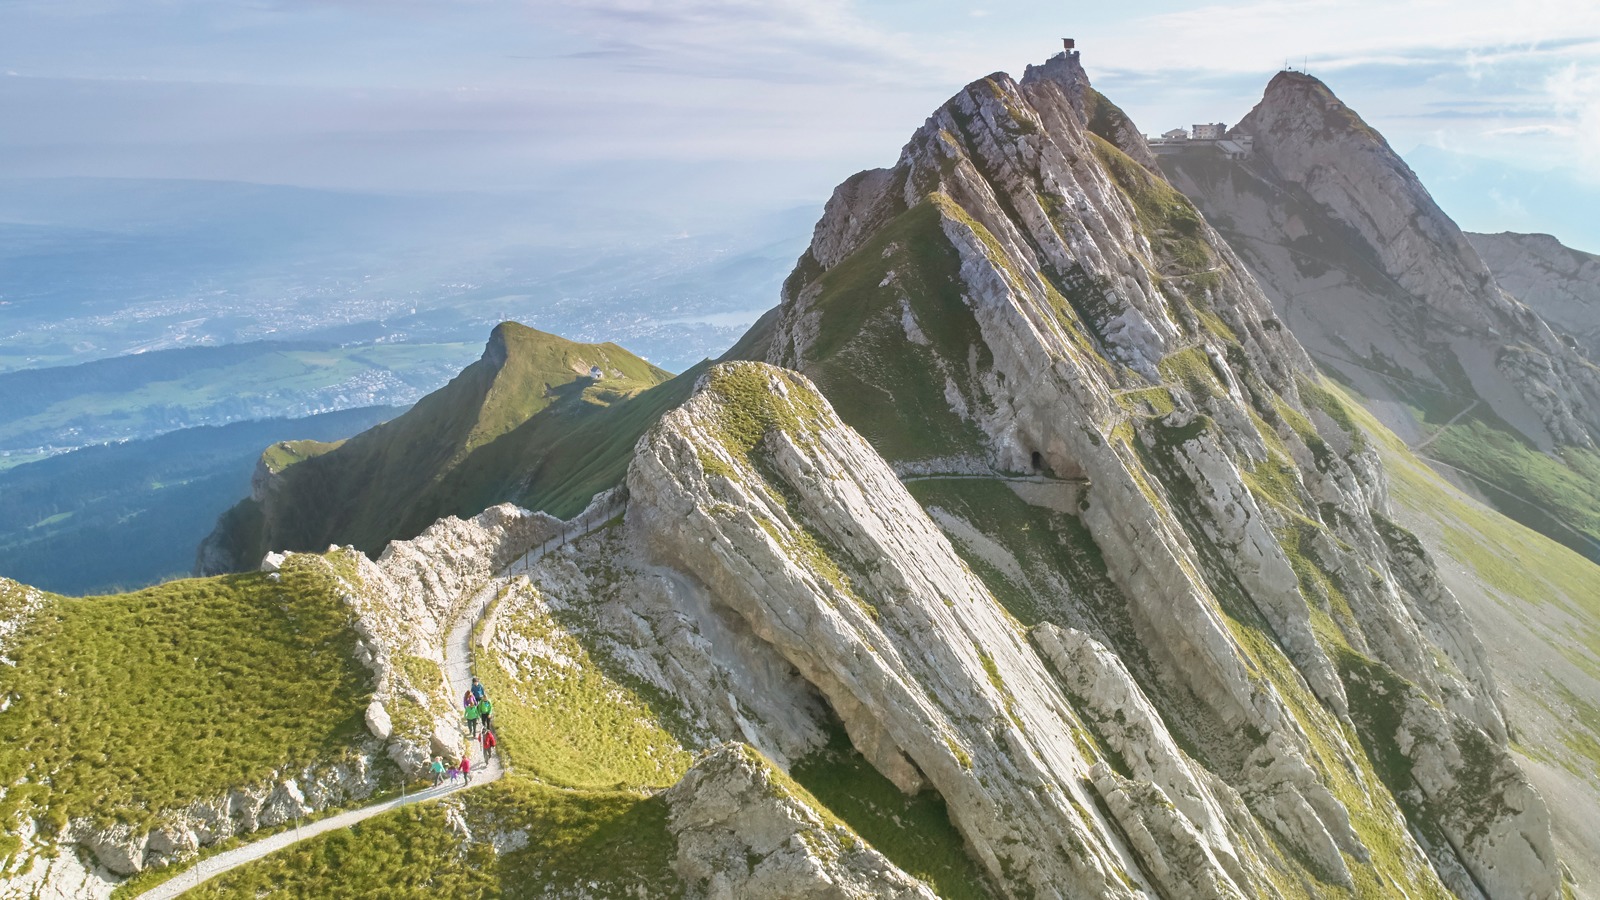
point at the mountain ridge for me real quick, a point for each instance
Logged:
(393, 481)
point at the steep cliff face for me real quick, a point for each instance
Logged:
(1559, 283)
(1018, 305)
(1375, 279)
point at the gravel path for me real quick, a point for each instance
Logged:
(458, 670)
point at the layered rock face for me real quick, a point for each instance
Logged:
(1559, 283)
(745, 832)
(1367, 271)
(1019, 304)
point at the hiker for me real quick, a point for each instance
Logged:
(477, 690)
(468, 700)
(466, 768)
(484, 709)
(474, 712)
(438, 770)
(455, 772)
(488, 744)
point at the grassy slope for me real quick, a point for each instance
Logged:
(612, 844)
(462, 448)
(128, 705)
(915, 833)
(582, 722)
(887, 387)
(1557, 494)
(1536, 606)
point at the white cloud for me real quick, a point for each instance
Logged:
(763, 40)
(1243, 36)
(1574, 90)
(1531, 131)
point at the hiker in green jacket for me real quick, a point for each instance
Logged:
(484, 710)
(474, 712)
(438, 770)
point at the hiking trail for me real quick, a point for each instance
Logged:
(458, 671)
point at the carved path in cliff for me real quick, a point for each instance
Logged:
(457, 668)
(993, 476)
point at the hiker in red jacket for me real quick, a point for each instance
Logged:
(466, 768)
(488, 744)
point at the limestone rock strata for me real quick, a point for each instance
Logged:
(744, 832)
(1019, 291)
(805, 534)
(113, 852)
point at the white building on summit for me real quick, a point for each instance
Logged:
(1205, 136)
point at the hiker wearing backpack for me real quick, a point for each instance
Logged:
(484, 709)
(474, 713)
(488, 745)
(478, 692)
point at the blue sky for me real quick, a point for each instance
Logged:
(738, 106)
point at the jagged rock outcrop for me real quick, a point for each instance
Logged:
(88, 859)
(1559, 283)
(746, 831)
(932, 682)
(405, 604)
(1019, 291)
(1374, 278)
(18, 604)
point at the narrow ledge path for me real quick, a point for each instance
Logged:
(458, 672)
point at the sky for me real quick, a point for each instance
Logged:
(735, 107)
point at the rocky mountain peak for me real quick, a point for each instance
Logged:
(1371, 274)
(1021, 304)
(1296, 95)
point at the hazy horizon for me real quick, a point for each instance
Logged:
(709, 111)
